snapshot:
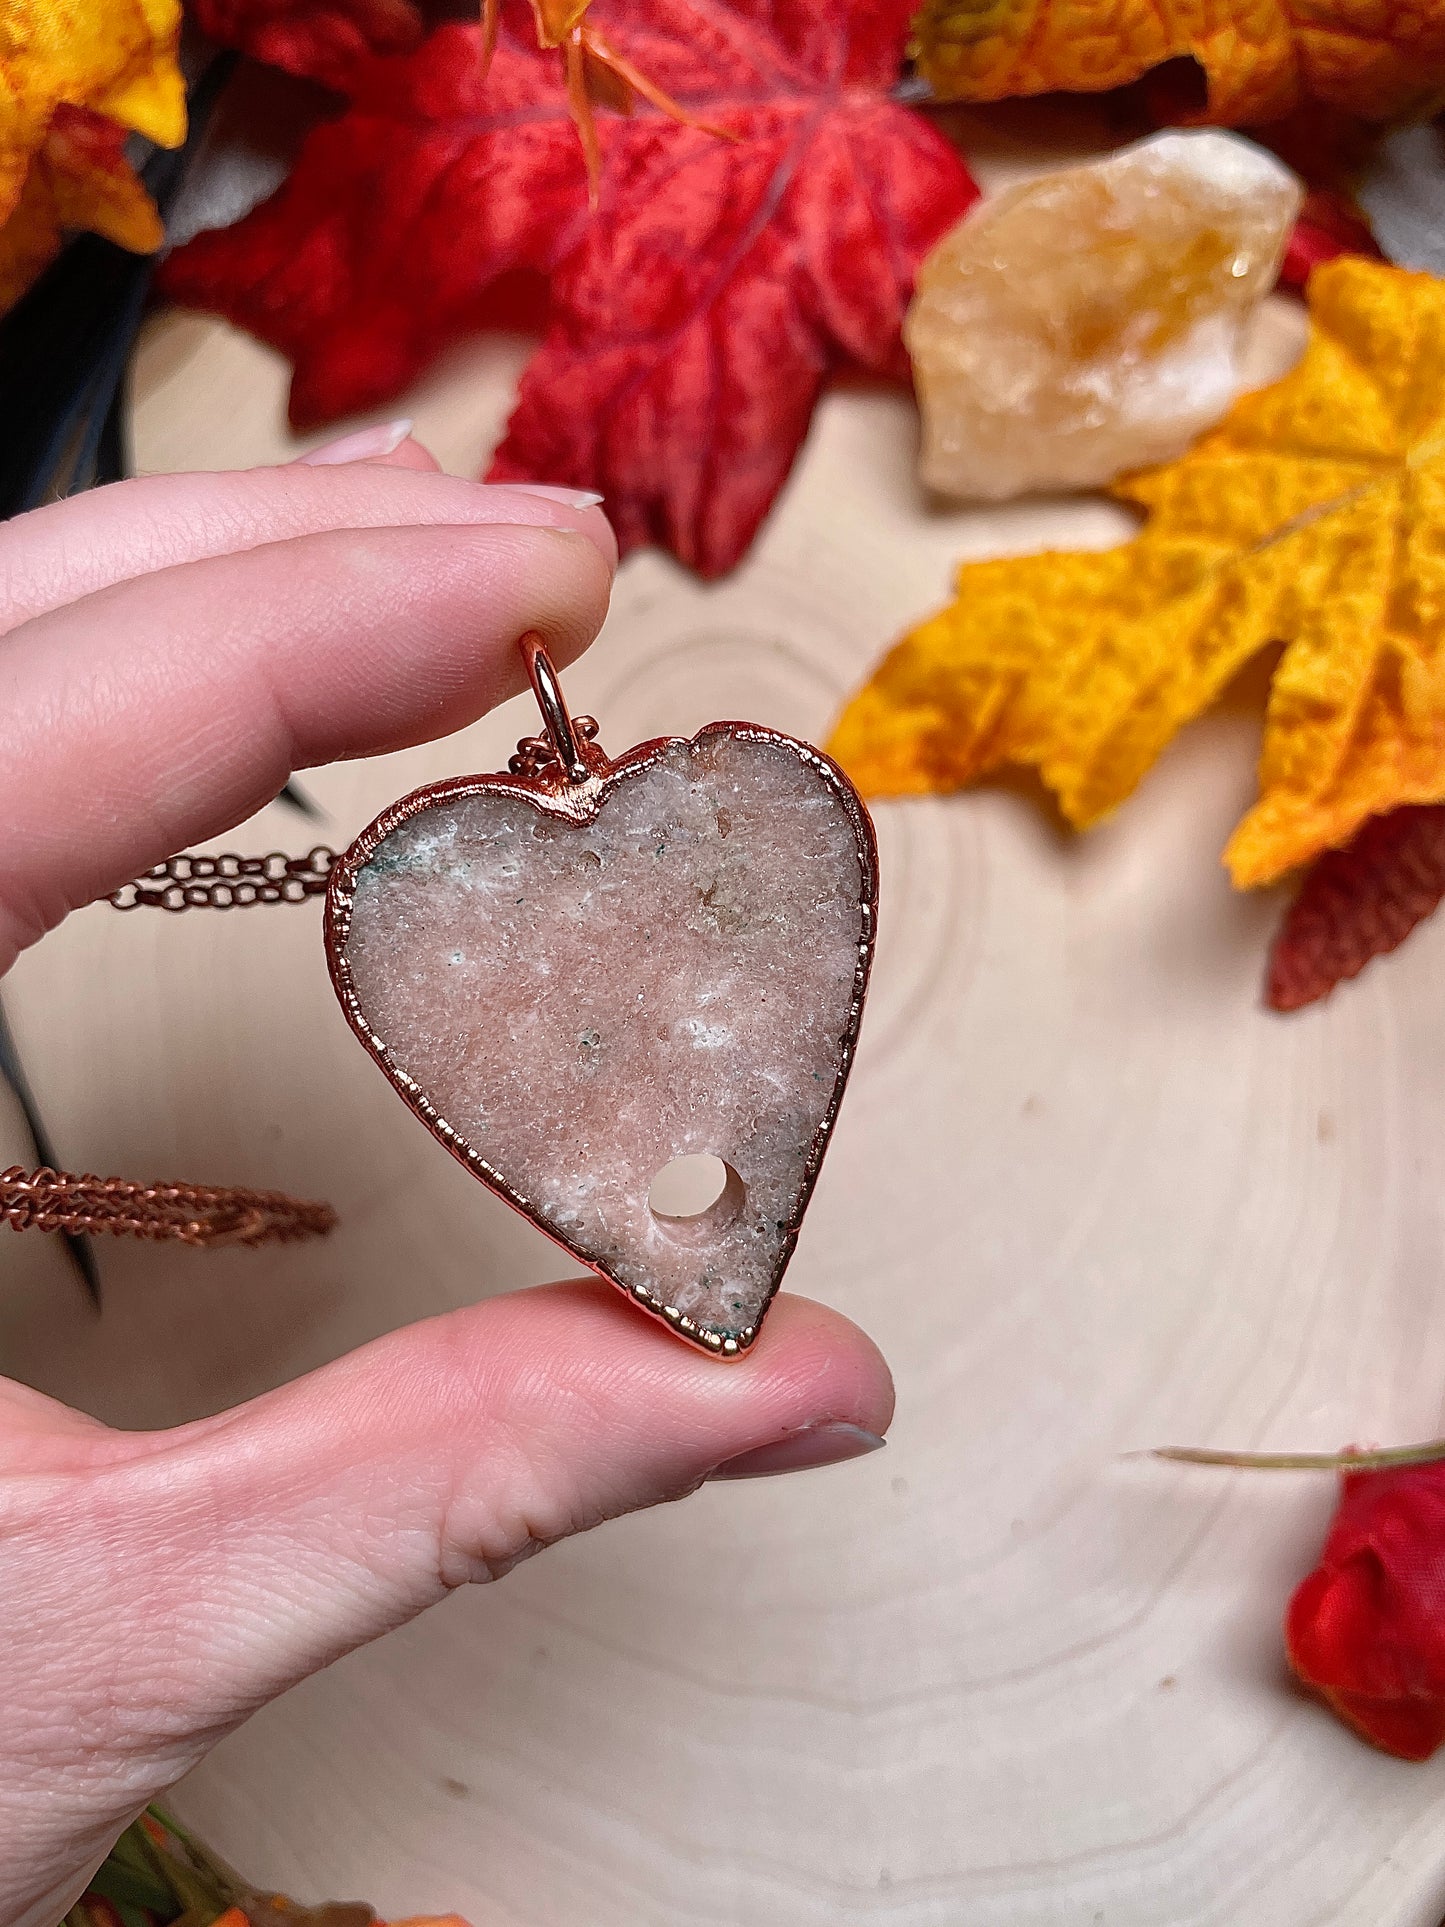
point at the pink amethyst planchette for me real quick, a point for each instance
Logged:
(582, 971)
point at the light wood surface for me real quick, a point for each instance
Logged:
(1087, 1194)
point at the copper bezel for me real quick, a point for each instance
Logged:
(576, 797)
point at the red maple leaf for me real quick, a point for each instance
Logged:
(1358, 902)
(692, 319)
(318, 39)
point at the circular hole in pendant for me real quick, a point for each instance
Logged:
(695, 1195)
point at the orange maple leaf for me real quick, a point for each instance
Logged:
(75, 77)
(1313, 516)
(1262, 58)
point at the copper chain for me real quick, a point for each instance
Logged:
(189, 882)
(195, 1214)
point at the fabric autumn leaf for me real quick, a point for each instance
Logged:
(693, 319)
(1314, 516)
(1358, 903)
(317, 39)
(1262, 58)
(75, 77)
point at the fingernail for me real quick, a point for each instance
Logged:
(383, 438)
(572, 498)
(800, 1451)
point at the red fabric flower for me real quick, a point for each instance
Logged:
(1367, 1628)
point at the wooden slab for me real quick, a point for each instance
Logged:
(1088, 1195)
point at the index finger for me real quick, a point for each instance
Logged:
(55, 554)
(164, 710)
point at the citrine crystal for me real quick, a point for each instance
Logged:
(1089, 322)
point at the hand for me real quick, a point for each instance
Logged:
(170, 650)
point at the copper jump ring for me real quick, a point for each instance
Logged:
(556, 717)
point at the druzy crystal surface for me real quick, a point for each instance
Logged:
(582, 1003)
(1089, 322)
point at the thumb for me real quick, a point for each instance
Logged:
(172, 1583)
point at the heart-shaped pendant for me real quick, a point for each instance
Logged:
(586, 969)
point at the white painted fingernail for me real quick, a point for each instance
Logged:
(572, 498)
(364, 446)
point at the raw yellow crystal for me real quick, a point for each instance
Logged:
(1089, 322)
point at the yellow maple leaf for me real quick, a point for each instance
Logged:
(1262, 58)
(1313, 517)
(75, 77)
